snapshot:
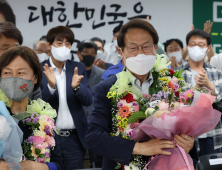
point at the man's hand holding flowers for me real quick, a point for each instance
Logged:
(185, 141)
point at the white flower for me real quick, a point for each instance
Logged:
(131, 167)
(149, 111)
(39, 133)
(134, 96)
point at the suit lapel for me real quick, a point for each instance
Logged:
(69, 74)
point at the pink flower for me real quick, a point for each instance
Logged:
(39, 146)
(162, 105)
(50, 140)
(41, 160)
(189, 94)
(45, 145)
(37, 140)
(174, 80)
(183, 99)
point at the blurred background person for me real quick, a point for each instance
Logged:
(42, 50)
(207, 28)
(87, 52)
(6, 12)
(10, 36)
(113, 55)
(101, 54)
(174, 52)
(216, 61)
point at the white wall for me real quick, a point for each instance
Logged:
(171, 18)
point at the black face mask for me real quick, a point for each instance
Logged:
(88, 60)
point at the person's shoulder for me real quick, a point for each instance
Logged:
(75, 63)
(44, 62)
(98, 70)
(107, 45)
(106, 84)
(182, 66)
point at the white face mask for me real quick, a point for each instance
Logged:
(115, 42)
(61, 53)
(140, 64)
(100, 55)
(177, 54)
(42, 57)
(196, 53)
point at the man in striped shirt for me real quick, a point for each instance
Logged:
(198, 73)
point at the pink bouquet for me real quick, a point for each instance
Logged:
(189, 120)
(38, 145)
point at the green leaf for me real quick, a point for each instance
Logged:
(118, 167)
(31, 158)
(124, 94)
(29, 123)
(37, 151)
(29, 153)
(136, 116)
(170, 98)
(156, 108)
(175, 74)
(42, 155)
(25, 147)
(180, 73)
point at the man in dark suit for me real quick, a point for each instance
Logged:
(137, 44)
(87, 51)
(65, 86)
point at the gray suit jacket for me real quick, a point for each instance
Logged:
(36, 94)
(94, 79)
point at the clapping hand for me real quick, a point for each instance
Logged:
(50, 76)
(100, 63)
(202, 79)
(76, 79)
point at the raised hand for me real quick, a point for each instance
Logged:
(192, 27)
(100, 63)
(207, 26)
(173, 62)
(147, 19)
(76, 79)
(50, 76)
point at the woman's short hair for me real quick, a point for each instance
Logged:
(28, 55)
(136, 23)
(60, 32)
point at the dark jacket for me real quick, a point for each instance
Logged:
(113, 149)
(75, 101)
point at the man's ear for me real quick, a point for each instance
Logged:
(79, 56)
(50, 47)
(120, 52)
(156, 46)
(209, 47)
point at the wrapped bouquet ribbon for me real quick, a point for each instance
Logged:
(190, 120)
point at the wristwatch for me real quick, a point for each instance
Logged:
(76, 89)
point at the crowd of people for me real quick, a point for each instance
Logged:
(77, 90)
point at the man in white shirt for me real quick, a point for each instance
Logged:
(65, 87)
(113, 55)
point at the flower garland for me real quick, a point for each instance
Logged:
(39, 116)
(130, 106)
